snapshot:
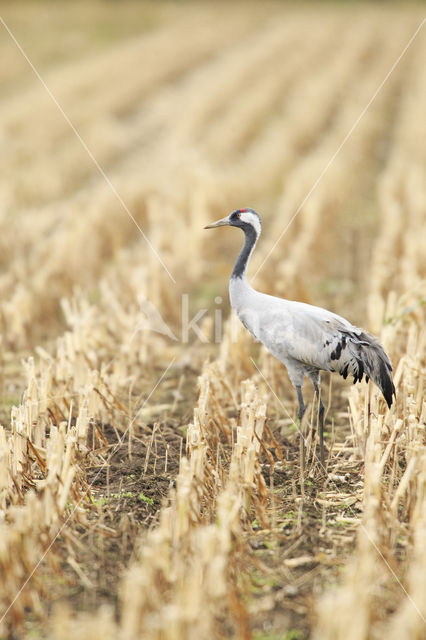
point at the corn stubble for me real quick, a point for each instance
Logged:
(246, 538)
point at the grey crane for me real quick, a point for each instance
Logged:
(305, 338)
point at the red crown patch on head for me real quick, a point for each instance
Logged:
(243, 210)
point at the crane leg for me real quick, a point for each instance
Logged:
(302, 407)
(300, 415)
(320, 423)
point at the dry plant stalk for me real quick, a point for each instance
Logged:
(179, 586)
(386, 580)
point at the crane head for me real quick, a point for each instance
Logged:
(242, 218)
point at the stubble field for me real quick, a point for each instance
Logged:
(151, 478)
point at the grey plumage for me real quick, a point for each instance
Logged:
(307, 339)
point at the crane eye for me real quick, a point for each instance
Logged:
(238, 215)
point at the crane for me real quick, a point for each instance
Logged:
(305, 338)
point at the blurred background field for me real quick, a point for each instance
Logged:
(150, 486)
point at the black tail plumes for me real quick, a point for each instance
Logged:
(369, 358)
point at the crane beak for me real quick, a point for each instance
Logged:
(218, 223)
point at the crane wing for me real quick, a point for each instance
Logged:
(323, 340)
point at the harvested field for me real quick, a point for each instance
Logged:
(151, 483)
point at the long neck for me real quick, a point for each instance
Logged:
(240, 267)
